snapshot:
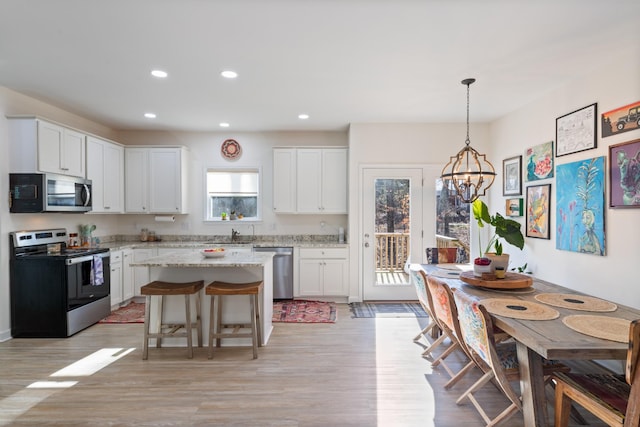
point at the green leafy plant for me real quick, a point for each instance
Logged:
(522, 269)
(504, 228)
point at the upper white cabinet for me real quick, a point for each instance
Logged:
(284, 180)
(310, 180)
(41, 146)
(136, 177)
(155, 179)
(105, 168)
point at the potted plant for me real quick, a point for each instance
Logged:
(503, 228)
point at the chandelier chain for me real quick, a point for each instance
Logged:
(468, 141)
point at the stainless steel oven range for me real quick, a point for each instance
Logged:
(56, 291)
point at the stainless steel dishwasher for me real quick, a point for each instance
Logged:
(282, 271)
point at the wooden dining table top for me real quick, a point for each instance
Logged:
(551, 339)
(539, 339)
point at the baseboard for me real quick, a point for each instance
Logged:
(5, 335)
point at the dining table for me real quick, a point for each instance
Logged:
(536, 339)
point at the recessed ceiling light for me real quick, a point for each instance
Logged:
(303, 116)
(228, 74)
(224, 125)
(159, 73)
(150, 115)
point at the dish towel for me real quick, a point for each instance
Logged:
(97, 275)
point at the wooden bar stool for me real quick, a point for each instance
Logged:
(220, 289)
(163, 289)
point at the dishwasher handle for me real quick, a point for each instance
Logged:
(278, 251)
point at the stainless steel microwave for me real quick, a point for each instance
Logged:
(38, 192)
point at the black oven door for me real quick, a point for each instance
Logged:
(89, 279)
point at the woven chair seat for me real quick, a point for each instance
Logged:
(608, 390)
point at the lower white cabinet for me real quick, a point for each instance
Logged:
(127, 274)
(116, 278)
(323, 272)
(121, 276)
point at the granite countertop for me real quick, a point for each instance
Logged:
(196, 259)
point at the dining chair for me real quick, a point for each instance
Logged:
(498, 360)
(614, 399)
(446, 314)
(419, 279)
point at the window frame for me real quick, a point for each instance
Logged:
(259, 201)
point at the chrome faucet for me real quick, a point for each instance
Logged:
(234, 235)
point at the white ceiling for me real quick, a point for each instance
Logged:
(340, 61)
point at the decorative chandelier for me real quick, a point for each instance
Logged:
(471, 173)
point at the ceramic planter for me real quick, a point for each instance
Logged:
(498, 261)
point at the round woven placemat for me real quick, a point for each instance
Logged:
(605, 327)
(516, 291)
(576, 302)
(519, 309)
(454, 267)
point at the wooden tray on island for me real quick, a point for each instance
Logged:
(510, 281)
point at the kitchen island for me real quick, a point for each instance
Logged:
(234, 267)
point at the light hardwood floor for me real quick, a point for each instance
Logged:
(356, 372)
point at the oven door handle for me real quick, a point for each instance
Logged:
(78, 260)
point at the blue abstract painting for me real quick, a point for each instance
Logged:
(580, 206)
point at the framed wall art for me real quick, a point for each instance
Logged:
(580, 206)
(624, 175)
(512, 176)
(539, 162)
(622, 119)
(538, 218)
(514, 207)
(576, 131)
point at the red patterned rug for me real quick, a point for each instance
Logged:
(131, 313)
(301, 311)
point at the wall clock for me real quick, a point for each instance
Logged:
(230, 149)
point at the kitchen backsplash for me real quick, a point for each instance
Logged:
(275, 239)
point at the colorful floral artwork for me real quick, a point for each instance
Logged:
(580, 206)
(538, 211)
(539, 162)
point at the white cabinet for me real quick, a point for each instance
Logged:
(127, 275)
(323, 272)
(284, 180)
(156, 180)
(121, 276)
(42, 146)
(105, 168)
(141, 274)
(116, 278)
(136, 173)
(310, 180)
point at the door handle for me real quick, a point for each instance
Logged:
(366, 245)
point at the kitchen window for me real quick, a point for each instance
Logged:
(233, 194)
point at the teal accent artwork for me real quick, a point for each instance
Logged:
(580, 206)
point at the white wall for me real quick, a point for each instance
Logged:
(612, 276)
(401, 145)
(204, 148)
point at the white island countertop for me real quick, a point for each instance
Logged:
(196, 259)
